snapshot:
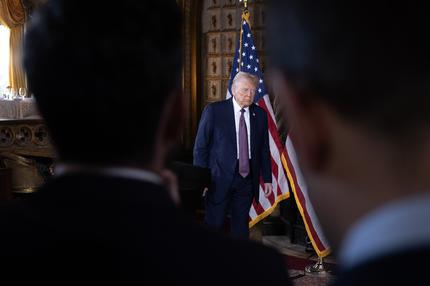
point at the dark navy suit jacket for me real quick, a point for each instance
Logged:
(216, 148)
(401, 267)
(106, 230)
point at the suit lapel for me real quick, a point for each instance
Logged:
(231, 124)
(252, 128)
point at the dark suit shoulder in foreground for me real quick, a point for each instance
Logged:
(401, 268)
(123, 231)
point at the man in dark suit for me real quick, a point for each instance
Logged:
(232, 140)
(354, 78)
(107, 80)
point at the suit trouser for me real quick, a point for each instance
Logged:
(238, 201)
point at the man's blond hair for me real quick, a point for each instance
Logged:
(244, 75)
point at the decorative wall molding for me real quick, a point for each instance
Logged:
(220, 28)
(28, 137)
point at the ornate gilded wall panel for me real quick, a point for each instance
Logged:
(211, 32)
(25, 137)
(221, 21)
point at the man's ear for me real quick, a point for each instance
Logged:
(307, 124)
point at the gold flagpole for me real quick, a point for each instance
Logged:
(245, 17)
(317, 268)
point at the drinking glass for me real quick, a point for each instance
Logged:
(22, 92)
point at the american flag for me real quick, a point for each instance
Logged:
(246, 60)
(300, 190)
(283, 157)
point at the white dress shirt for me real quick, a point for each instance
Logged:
(394, 227)
(237, 114)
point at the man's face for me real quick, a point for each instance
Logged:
(244, 92)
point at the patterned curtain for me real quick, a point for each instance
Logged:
(13, 16)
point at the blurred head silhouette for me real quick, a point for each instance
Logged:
(108, 83)
(353, 77)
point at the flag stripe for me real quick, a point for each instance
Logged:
(303, 203)
(273, 129)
